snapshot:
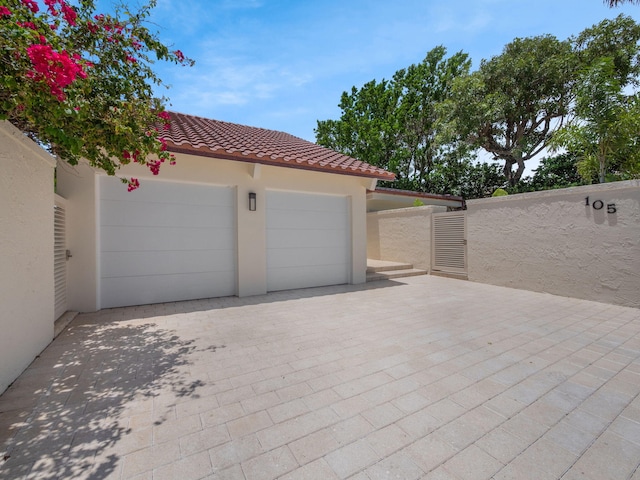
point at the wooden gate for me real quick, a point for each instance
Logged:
(449, 243)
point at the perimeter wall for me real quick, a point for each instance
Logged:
(581, 242)
(26, 246)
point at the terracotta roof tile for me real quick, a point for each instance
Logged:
(213, 138)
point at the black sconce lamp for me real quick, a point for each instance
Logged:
(252, 202)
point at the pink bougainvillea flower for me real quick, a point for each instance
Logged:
(29, 25)
(56, 69)
(31, 5)
(4, 12)
(69, 14)
(179, 55)
(51, 5)
(132, 184)
(154, 166)
(92, 27)
(166, 117)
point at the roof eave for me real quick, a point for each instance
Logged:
(278, 162)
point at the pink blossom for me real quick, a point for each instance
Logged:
(179, 55)
(32, 5)
(51, 5)
(92, 27)
(29, 25)
(154, 166)
(56, 69)
(69, 14)
(4, 11)
(132, 184)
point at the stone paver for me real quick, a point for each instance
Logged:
(420, 378)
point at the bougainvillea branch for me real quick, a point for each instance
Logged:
(81, 83)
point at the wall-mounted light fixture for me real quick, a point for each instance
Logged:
(252, 202)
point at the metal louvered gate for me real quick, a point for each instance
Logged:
(449, 243)
(60, 256)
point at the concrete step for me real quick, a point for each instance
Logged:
(389, 274)
(459, 276)
(374, 266)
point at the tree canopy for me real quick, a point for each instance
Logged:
(605, 133)
(396, 124)
(81, 82)
(514, 102)
(576, 96)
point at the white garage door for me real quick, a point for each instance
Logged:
(165, 242)
(308, 240)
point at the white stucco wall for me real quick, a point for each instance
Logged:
(553, 242)
(26, 246)
(401, 235)
(78, 185)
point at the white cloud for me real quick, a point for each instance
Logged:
(235, 81)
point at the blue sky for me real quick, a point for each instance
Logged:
(283, 64)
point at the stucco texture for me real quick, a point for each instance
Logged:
(554, 242)
(26, 242)
(401, 235)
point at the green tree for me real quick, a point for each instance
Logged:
(616, 39)
(366, 127)
(81, 83)
(514, 102)
(480, 180)
(556, 171)
(395, 124)
(604, 134)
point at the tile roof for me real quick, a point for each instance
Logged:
(212, 138)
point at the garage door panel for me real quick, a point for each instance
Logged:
(312, 276)
(131, 264)
(120, 292)
(160, 214)
(170, 193)
(166, 241)
(308, 202)
(308, 240)
(306, 219)
(289, 238)
(119, 239)
(290, 257)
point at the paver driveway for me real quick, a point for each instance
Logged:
(425, 377)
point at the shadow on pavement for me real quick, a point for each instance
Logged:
(61, 418)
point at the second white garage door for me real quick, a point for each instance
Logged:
(166, 241)
(308, 240)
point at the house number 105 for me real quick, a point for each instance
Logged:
(599, 205)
